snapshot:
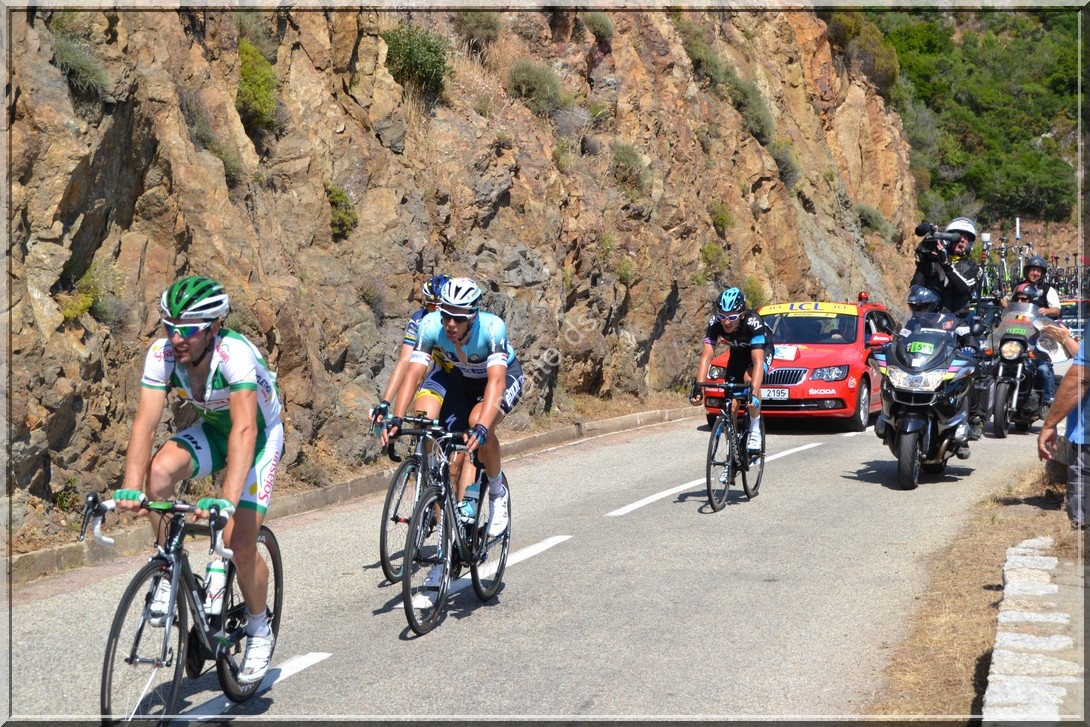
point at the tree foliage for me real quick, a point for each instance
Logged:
(989, 104)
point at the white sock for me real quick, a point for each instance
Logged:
(257, 624)
(754, 423)
(495, 486)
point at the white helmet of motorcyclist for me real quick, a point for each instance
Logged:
(963, 225)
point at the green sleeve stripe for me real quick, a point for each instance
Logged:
(156, 388)
(243, 385)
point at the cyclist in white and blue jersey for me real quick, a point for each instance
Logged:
(476, 380)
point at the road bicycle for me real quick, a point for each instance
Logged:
(441, 540)
(405, 487)
(142, 670)
(727, 452)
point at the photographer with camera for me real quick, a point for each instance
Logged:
(943, 263)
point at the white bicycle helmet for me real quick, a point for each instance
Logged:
(963, 225)
(460, 293)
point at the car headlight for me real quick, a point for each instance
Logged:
(716, 372)
(928, 381)
(830, 373)
(1011, 350)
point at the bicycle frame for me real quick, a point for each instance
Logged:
(210, 631)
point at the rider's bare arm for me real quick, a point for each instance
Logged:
(149, 411)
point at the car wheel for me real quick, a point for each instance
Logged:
(861, 418)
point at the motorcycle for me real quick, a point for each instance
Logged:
(927, 377)
(1017, 347)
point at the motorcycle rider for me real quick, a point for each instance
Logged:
(1045, 378)
(1047, 300)
(948, 269)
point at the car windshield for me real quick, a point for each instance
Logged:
(812, 327)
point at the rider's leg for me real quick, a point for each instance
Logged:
(170, 465)
(1046, 377)
(252, 572)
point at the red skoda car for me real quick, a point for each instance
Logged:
(822, 364)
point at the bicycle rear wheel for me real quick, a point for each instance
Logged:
(137, 682)
(396, 513)
(752, 474)
(721, 469)
(230, 657)
(426, 580)
(489, 553)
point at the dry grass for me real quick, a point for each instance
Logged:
(941, 668)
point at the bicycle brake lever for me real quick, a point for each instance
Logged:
(391, 452)
(216, 524)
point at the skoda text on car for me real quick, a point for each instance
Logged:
(821, 367)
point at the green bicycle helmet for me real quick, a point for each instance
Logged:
(194, 297)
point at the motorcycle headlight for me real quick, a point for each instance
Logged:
(830, 373)
(1011, 350)
(927, 381)
(716, 372)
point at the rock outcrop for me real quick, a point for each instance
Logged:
(604, 285)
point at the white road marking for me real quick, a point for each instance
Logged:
(219, 704)
(512, 558)
(658, 496)
(856, 434)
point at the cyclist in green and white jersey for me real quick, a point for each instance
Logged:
(226, 379)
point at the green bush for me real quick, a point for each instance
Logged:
(536, 84)
(233, 170)
(417, 57)
(706, 62)
(563, 156)
(873, 219)
(252, 26)
(256, 100)
(344, 217)
(756, 117)
(754, 291)
(721, 217)
(626, 270)
(628, 168)
(480, 28)
(877, 58)
(790, 171)
(715, 257)
(97, 292)
(599, 24)
(84, 71)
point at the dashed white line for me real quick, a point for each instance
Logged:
(219, 704)
(512, 558)
(659, 495)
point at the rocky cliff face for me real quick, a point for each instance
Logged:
(604, 287)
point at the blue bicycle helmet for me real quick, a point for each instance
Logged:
(432, 287)
(732, 300)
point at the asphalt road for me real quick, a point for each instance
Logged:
(615, 602)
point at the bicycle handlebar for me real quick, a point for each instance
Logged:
(96, 509)
(734, 390)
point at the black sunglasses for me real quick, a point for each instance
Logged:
(456, 316)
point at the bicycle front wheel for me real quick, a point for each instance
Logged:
(427, 562)
(755, 470)
(721, 470)
(396, 513)
(142, 671)
(230, 658)
(489, 553)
